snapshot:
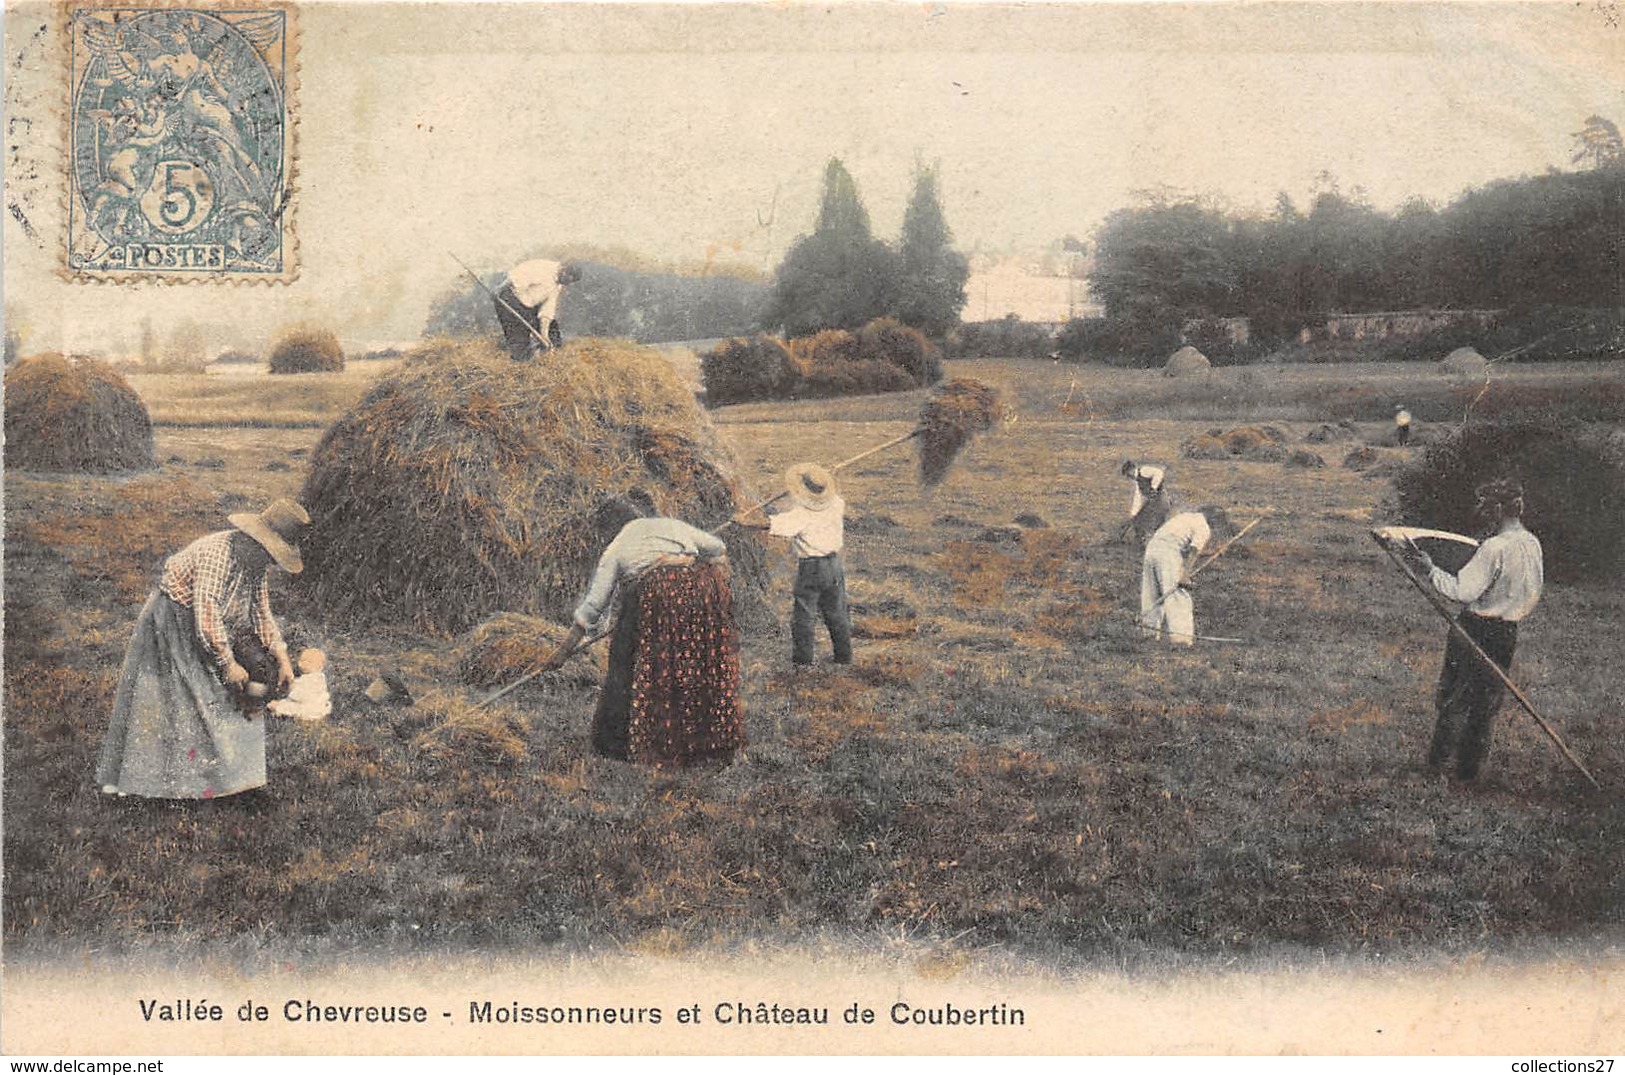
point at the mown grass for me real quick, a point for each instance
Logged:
(227, 401)
(1005, 765)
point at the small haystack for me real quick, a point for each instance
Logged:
(74, 415)
(1464, 360)
(508, 647)
(954, 414)
(1185, 361)
(1249, 443)
(307, 349)
(465, 483)
(463, 737)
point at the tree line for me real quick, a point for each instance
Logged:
(1552, 240)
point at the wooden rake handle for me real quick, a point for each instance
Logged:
(842, 465)
(1443, 610)
(547, 345)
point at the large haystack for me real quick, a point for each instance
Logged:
(1464, 360)
(1186, 361)
(74, 415)
(465, 483)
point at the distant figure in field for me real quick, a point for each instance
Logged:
(1402, 425)
(1166, 609)
(527, 306)
(671, 695)
(1499, 586)
(816, 529)
(1150, 505)
(178, 729)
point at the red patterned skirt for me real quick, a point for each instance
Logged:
(672, 693)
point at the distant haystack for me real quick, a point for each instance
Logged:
(307, 350)
(74, 415)
(1464, 360)
(467, 484)
(1185, 361)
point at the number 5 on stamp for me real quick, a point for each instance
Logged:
(179, 143)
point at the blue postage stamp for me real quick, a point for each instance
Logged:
(178, 143)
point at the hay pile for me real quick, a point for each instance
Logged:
(1464, 360)
(1573, 478)
(461, 737)
(1326, 433)
(307, 350)
(465, 484)
(1250, 443)
(74, 415)
(1185, 361)
(509, 646)
(956, 412)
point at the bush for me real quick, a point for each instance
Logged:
(307, 350)
(1573, 480)
(1116, 343)
(747, 368)
(891, 341)
(1008, 337)
(236, 358)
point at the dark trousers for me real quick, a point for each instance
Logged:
(521, 323)
(820, 592)
(1469, 693)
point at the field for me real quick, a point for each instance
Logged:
(1005, 768)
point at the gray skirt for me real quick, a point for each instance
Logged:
(175, 732)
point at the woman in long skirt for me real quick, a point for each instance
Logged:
(178, 730)
(671, 696)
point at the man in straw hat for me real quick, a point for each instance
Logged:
(527, 306)
(1499, 586)
(1402, 425)
(816, 529)
(671, 694)
(177, 730)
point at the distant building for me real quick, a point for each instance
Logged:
(1381, 326)
(1235, 329)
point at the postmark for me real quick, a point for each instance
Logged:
(179, 143)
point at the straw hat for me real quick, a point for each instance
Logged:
(810, 485)
(275, 528)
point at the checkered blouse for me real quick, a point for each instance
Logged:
(209, 580)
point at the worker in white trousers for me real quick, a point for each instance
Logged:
(1166, 609)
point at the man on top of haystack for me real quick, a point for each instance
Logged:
(1499, 587)
(527, 306)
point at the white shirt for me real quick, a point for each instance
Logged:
(1188, 531)
(1503, 579)
(1403, 418)
(1153, 477)
(812, 531)
(536, 283)
(307, 698)
(640, 545)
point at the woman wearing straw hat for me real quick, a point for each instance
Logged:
(671, 694)
(178, 731)
(815, 527)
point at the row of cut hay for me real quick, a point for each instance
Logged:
(74, 415)
(465, 483)
(883, 356)
(510, 646)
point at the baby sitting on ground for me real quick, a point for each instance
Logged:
(308, 698)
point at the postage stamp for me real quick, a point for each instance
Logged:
(179, 143)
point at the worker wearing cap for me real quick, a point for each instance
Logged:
(527, 306)
(815, 527)
(1499, 586)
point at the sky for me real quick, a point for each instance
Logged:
(690, 132)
